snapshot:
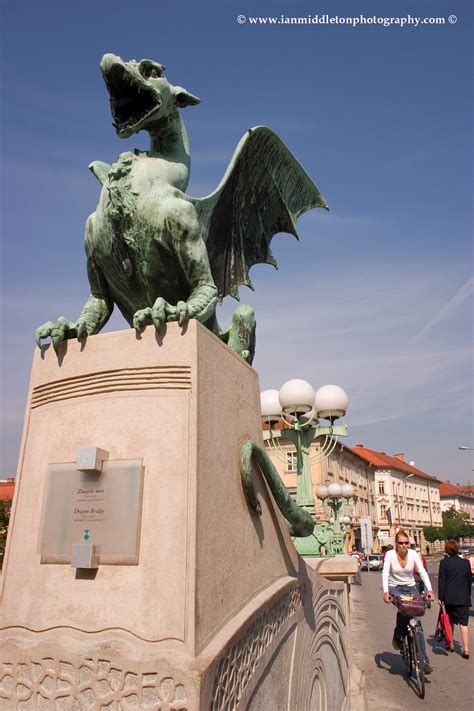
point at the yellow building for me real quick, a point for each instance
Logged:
(393, 493)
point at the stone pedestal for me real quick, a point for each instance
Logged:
(219, 612)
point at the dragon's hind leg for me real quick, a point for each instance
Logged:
(240, 337)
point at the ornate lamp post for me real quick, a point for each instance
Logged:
(335, 496)
(346, 523)
(300, 408)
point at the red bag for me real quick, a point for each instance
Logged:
(443, 627)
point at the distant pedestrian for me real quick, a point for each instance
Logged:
(388, 548)
(358, 556)
(427, 549)
(454, 589)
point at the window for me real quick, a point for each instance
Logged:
(383, 511)
(291, 462)
(381, 487)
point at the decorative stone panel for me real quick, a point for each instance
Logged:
(95, 685)
(243, 656)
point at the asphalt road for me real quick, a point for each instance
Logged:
(451, 685)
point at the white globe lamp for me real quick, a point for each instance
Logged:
(334, 489)
(322, 492)
(347, 490)
(270, 405)
(331, 402)
(296, 396)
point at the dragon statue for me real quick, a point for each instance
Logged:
(161, 255)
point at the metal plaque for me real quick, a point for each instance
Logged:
(101, 508)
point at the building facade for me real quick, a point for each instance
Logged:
(390, 492)
(458, 497)
(406, 497)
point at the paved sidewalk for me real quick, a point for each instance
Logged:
(450, 686)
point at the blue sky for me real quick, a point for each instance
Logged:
(377, 295)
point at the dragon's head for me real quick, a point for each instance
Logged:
(140, 94)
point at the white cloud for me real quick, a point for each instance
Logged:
(465, 292)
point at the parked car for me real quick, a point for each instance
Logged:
(466, 551)
(373, 562)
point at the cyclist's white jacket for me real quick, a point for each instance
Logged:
(393, 573)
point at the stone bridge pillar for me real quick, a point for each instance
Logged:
(209, 606)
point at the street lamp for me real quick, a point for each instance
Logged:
(335, 496)
(300, 408)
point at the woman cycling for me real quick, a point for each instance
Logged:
(398, 579)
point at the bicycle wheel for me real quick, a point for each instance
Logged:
(406, 652)
(418, 674)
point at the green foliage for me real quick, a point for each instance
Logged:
(5, 508)
(456, 525)
(432, 534)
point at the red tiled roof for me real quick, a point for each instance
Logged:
(380, 460)
(6, 490)
(279, 425)
(448, 489)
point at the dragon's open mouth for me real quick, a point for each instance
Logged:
(130, 101)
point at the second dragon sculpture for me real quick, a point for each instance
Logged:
(161, 255)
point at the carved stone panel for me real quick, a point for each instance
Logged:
(55, 685)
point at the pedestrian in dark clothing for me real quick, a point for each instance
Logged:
(454, 589)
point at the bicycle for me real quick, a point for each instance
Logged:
(412, 606)
(420, 586)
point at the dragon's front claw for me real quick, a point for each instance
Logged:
(43, 331)
(201, 305)
(141, 319)
(159, 312)
(81, 329)
(58, 331)
(182, 312)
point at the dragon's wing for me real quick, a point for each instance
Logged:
(100, 169)
(263, 192)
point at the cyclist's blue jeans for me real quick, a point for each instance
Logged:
(402, 620)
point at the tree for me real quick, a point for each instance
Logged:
(5, 508)
(456, 524)
(432, 534)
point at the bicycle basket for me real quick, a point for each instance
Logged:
(410, 605)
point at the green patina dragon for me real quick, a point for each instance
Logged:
(161, 255)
